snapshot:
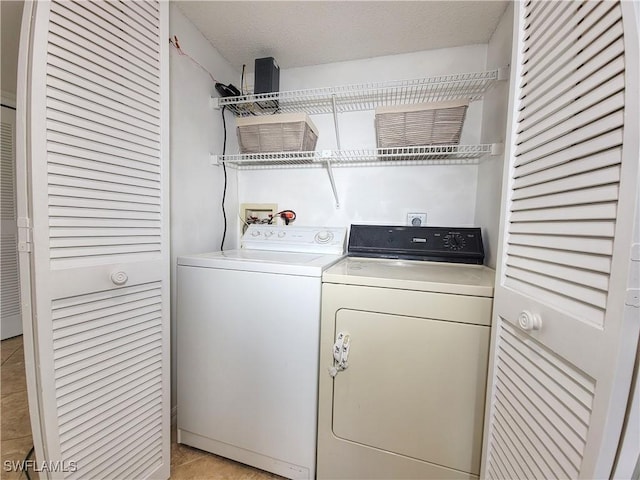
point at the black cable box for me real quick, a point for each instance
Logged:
(267, 76)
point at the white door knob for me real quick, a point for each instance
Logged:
(529, 321)
(119, 278)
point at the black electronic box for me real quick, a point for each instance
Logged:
(267, 76)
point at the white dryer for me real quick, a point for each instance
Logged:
(248, 336)
(404, 354)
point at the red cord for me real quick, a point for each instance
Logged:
(176, 44)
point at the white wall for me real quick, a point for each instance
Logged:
(196, 130)
(374, 194)
(11, 18)
(494, 124)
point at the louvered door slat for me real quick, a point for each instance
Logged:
(73, 155)
(586, 181)
(529, 454)
(543, 85)
(97, 134)
(69, 81)
(583, 229)
(141, 13)
(123, 129)
(537, 17)
(62, 49)
(10, 282)
(100, 409)
(587, 37)
(65, 166)
(594, 280)
(103, 185)
(82, 202)
(577, 197)
(118, 167)
(591, 130)
(573, 85)
(541, 27)
(105, 108)
(504, 452)
(507, 396)
(573, 25)
(103, 405)
(75, 361)
(146, 10)
(599, 246)
(523, 448)
(589, 163)
(102, 25)
(72, 138)
(88, 71)
(586, 148)
(116, 15)
(71, 14)
(583, 212)
(97, 78)
(573, 121)
(76, 406)
(564, 438)
(578, 106)
(78, 416)
(564, 334)
(10, 308)
(7, 177)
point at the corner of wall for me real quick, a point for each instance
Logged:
(494, 125)
(196, 132)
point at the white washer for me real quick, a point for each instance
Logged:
(248, 334)
(403, 358)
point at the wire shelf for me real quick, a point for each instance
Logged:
(366, 96)
(407, 156)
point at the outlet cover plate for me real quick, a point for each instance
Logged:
(417, 219)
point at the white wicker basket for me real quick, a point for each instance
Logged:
(436, 123)
(285, 132)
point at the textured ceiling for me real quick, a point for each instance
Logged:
(300, 33)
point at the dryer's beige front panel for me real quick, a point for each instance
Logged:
(414, 386)
(410, 403)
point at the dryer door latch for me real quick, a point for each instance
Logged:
(340, 353)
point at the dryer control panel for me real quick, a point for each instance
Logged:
(439, 244)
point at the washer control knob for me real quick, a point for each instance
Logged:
(529, 321)
(281, 234)
(324, 236)
(255, 233)
(268, 233)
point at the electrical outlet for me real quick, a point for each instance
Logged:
(257, 212)
(417, 219)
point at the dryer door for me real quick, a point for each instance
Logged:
(413, 386)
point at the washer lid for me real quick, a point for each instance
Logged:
(460, 279)
(304, 264)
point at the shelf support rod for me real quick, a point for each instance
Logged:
(335, 120)
(327, 154)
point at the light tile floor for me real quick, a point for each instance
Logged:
(186, 463)
(15, 429)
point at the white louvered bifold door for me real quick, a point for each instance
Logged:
(96, 87)
(565, 324)
(10, 319)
